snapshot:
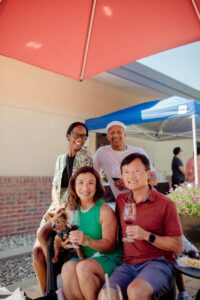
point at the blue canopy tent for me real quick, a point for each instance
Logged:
(169, 119)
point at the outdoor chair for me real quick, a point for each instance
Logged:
(53, 269)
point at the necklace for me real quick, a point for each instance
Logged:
(87, 209)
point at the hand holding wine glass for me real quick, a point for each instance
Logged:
(74, 221)
(129, 216)
(115, 174)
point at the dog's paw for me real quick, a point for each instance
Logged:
(66, 243)
(49, 215)
(55, 259)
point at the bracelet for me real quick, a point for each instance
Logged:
(87, 241)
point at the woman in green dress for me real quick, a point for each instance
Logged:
(97, 234)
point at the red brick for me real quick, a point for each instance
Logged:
(23, 202)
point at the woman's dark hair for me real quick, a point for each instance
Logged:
(75, 124)
(128, 159)
(73, 199)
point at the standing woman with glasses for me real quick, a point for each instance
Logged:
(66, 165)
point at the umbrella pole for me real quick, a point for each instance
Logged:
(88, 40)
(196, 9)
(195, 149)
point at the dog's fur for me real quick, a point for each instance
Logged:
(62, 227)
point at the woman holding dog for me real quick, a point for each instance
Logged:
(97, 236)
(66, 165)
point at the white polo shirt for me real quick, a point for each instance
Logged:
(109, 160)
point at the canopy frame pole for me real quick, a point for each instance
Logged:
(195, 149)
(196, 9)
(88, 40)
(144, 132)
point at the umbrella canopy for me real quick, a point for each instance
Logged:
(81, 38)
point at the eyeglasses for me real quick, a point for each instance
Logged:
(77, 135)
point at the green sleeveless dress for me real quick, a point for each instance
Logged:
(91, 226)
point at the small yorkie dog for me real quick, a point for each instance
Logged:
(62, 228)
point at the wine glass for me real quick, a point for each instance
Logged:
(115, 174)
(111, 296)
(74, 221)
(107, 294)
(129, 216)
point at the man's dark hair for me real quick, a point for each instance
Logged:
(73, 125)
(128, 159)
(177, 150)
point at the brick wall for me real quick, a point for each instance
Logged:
(23, 201)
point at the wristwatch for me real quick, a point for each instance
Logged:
(151, 238)
(87, 241)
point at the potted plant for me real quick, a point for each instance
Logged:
(187, 200)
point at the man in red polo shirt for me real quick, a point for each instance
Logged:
(147, 268)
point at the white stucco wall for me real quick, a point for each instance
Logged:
(36, 107)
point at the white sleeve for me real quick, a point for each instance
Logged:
(55, 199)
(55, 187)
(144, 152)
(57, 166)
(97, 160)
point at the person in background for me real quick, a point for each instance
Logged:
(66, 164)
(190, 166)
(108, 158)
(178, 170)
(155, 235)
(97, 234)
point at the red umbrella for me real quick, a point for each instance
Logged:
(81, 38)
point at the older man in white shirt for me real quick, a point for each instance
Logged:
(108, 158)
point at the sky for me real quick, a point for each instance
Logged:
(181, 63)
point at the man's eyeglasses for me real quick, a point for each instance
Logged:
(77, 135)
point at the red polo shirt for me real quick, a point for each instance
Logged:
(157, 215)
